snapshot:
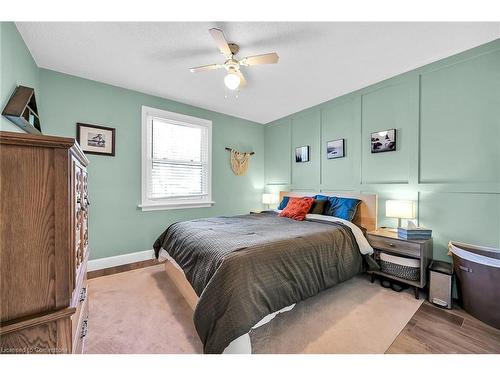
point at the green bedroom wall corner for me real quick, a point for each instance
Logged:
(447, 116)
(117, 225)
(17, 67)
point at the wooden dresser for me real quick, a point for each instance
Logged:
(43, 244)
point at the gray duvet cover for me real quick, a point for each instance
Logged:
(246, 267)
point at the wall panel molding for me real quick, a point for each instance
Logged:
(393, 106)
(460, 122)
(305, 132)
(277, 164)
(341, 120)
(444, 204)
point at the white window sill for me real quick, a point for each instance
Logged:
(174, 206)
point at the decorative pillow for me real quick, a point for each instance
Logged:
(344, 208)
(327, 200)
(297, 208)
(318, 207)
(283, 203)
(321, 197)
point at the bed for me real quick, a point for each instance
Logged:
(239, 272)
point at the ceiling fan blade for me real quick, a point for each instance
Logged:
(205, 67)
(267, 58)
(243, 81)
(220, 41)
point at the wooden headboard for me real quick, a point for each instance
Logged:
(366, 215)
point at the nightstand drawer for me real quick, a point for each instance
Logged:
(397, 246)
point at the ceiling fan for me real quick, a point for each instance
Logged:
(234, 78)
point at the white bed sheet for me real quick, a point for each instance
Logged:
(364, 246)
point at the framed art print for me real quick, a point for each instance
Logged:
(383, 141)
(302, 154)
(335, 149)
(97, 140)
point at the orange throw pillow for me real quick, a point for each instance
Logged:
(297, 208)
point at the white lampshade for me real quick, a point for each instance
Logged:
(269, 198)
(400, 209)
(232, 81)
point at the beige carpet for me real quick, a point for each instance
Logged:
(140, 311)
(353, 317)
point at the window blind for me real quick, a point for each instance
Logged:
(179, 160)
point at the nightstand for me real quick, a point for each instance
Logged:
(384, 241)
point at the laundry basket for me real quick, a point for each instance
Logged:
(477, 270)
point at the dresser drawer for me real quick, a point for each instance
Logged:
(80, 296)
(396, 246)
(80, 305)
(44, 334)
(79, 282)
(80, 328)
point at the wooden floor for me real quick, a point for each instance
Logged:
(435, 330)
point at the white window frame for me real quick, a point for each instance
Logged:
(171, 203)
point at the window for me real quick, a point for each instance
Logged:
(176, 160)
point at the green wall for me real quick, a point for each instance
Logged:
(117, 225)
(447, 116)
(17, 67)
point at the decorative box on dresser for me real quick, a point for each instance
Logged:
(43, 244)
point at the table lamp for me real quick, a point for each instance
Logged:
(268, 199)
(400, 210)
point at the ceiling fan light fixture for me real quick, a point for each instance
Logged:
(232, 80)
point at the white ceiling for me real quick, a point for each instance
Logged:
(318, 61)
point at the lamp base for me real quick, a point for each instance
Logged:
(395, 229)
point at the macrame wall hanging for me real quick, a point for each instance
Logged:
(239, 161)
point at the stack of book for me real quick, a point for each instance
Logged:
(416, 233)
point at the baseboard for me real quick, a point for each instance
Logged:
(119, 260)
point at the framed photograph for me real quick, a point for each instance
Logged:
(97, 140)
(302, 154)
(335, 149)
(383, 141)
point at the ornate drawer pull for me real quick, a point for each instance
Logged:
(83, 294)
(84, 329)
(392, 245)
